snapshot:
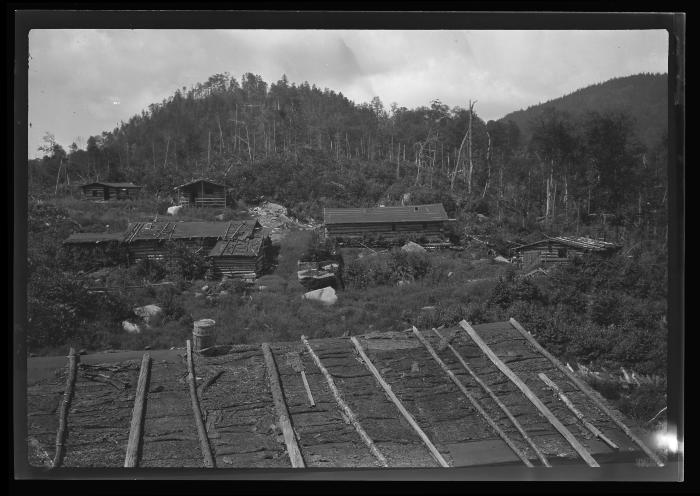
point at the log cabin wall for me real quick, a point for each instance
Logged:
(387, 231)
(202, 194)
(94, 193)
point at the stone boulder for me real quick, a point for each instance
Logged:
(131, 328)
(412, 247)
(326, 296)
(501, 259)
(147, 312)
(174, 210)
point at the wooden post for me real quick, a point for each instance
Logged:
(587, 391)
(500, 404)
(575, 444)
(472, 400)
(281, 407)
(201, 429)
(137, 414)
(592, 428)
(409, 418)
(344, 406)
(73, 360)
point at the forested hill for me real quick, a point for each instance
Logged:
(644, 97)
(310, 148)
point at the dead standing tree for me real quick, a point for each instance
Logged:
(467, 138)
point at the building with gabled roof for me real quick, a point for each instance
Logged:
(201, 193)
(103, 191)
(385, 225)
(235, 248)
(561, 249)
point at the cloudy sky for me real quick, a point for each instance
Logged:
(83, 82)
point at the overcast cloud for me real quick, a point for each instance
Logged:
(83, 82)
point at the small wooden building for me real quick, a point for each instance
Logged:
(385, 225)
(110, 191)
(236, 248)
(561, 249)
(201, 193)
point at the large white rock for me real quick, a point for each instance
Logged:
(412, 247)
(174, 210)
(501, 259)
(131, 328)
(147, 312)
(324, 295)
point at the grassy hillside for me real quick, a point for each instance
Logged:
(644, 97)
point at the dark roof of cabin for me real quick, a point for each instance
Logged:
(241, 245)
(196, 181)
(412, 213)
(113, 185)
(83, 238)
(580, 242)
(137, 231)
(241, 414)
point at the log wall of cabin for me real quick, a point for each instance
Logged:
(94, 193)
(216, 198)
(388, 231)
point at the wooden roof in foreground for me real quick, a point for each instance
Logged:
(413, 213)
(347, 417)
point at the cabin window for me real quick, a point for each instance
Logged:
(95, 192)
(425, 226)
(393, 227)
(561, 252)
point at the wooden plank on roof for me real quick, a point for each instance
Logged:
(209, 460)
(409, 418)
(498, 402)
(472, 400)
(344, 406)
(281, 408)
(575, 444)
(133, 448)
(587, 391)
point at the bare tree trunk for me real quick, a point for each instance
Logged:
(208, 150)
(456, 169)
(167, 146)
(221, 137)
(58, 175)
(153, 147)
(488, 164)
(469, 149)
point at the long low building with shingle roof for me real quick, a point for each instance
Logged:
(385, 225)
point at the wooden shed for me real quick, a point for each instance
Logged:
(385, 225)
(110, 191)
(201, 193)
(561, 249)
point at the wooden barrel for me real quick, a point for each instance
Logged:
(203, 334)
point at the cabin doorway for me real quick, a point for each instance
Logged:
(105, 193)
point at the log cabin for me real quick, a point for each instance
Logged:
(100, 192)
(201, 193)
(385, 225)
(561, 249)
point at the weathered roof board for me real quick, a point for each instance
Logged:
(162, 230)
(82, 238)
(241, 419)
(113, 185)
(582, 243)
(197, 181)
(414, 213)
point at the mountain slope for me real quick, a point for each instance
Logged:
(643, 96)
